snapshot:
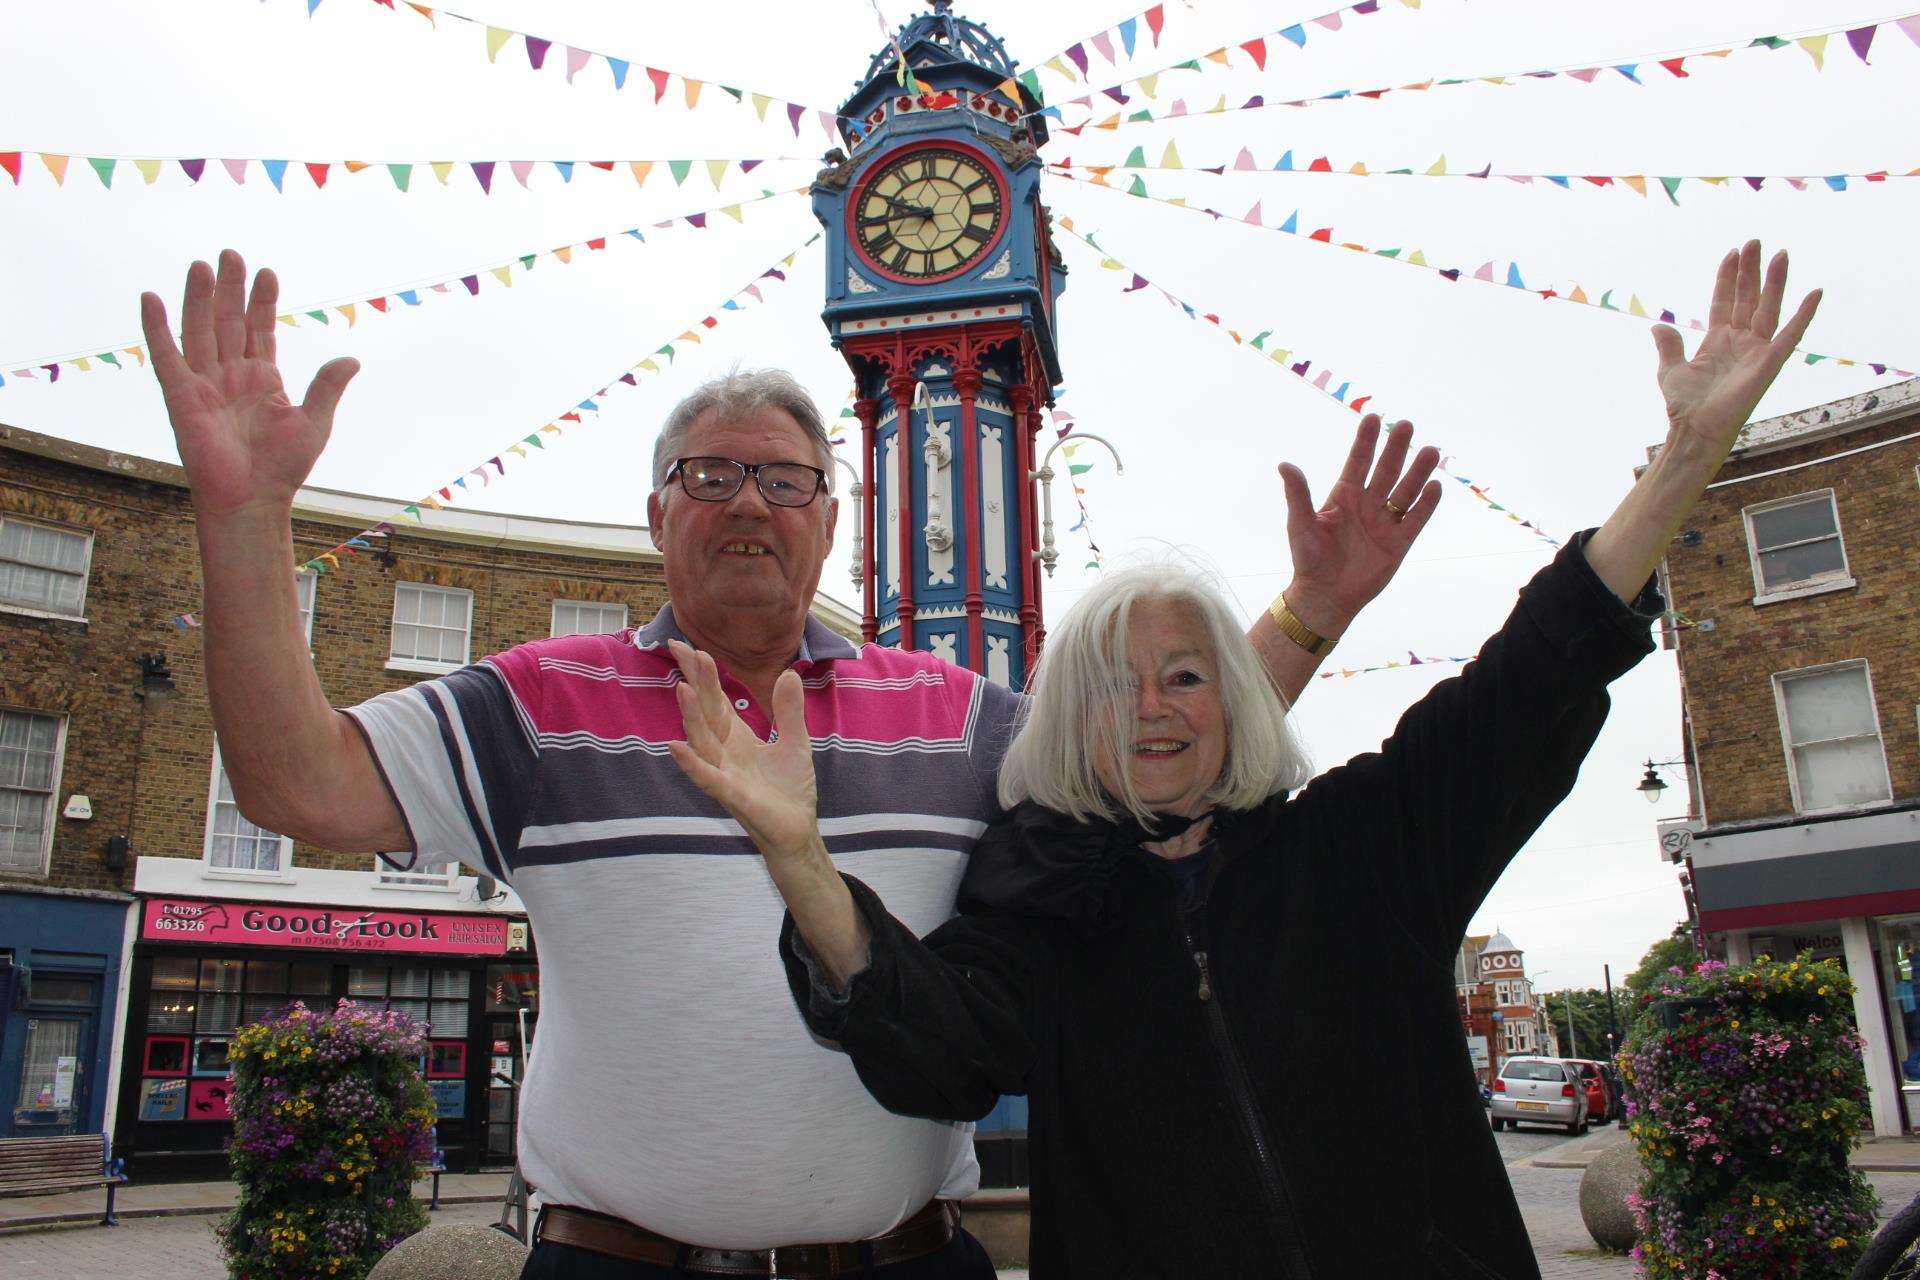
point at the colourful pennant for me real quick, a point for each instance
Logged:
(410, 297)
(399, 172)
(1627, 68)
(1128, 29)
(330, 559)
(1244, 162)
(1283, 358)
(1511, 277)
(496, 40)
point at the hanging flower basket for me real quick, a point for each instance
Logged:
(1745, 1094)
(331, 1125)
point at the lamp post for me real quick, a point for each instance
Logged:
(1651, 785)
(1048, 555)
(856, 492)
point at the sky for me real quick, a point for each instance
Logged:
(1548, 405)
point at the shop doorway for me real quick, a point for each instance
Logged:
(55, 1089)
(512, 1012)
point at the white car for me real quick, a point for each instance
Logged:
(1539, 1091)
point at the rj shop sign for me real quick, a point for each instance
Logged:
(321, 928)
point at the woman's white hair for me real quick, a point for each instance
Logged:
(1083, 706)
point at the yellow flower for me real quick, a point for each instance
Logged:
(1838, 1242)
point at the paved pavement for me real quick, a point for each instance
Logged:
(175, 1240)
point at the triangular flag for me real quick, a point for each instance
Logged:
(483, 174)
(149, 170)
(504, 275)
(659, 79)
(692, 89)
(1296, 33)
(1438, 169)
(522, 170)
(1128, 29)
(1672, 185)
(537, 51)
(641, 168)
(716, 169)
(576, 59)
(619, 68)
(276, 173)
(402, 175)
(56, 165)
(1816, 47)
(496, 39)
(103, 166)
(1170, 158)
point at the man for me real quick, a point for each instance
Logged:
(678, 1120)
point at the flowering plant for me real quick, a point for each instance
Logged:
(331, 1125)
(1744, 1097)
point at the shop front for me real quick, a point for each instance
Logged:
(202, 968)
(1844, 888)
(60, 959)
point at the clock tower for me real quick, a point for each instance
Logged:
(942, 281)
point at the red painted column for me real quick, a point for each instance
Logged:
(967, 383)
(1022, 398)
(900, 387)
(868, 411)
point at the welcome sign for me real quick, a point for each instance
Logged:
(258, 924)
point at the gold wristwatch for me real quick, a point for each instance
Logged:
(1298, 631)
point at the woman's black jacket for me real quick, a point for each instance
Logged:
(1272, 1080)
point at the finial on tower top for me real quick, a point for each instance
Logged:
(940, 7)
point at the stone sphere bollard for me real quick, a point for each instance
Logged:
(1604, 1188)
(457, 1251)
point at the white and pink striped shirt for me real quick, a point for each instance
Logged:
(676, 1085)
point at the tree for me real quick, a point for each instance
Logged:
(1675, 951)
(1589, 1022)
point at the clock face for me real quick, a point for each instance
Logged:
(929, 214)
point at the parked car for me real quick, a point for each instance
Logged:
(1602, 1101)
(1618, 1088)
(1539, 1091)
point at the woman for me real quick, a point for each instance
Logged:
(1233, 1008)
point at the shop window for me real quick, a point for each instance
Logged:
(30, 749)
(194, 1006)
(43, 569)
(437, 999)
(165, 1056)
(581, 618)
(1900, 977)
(1795, 546)
(1832, 735)
(447, 1060)
(432, 872)
(43, 1083)
(430, 628)
(511, 987)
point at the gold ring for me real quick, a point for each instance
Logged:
(1395, 510)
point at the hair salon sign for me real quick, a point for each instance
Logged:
(259, 924)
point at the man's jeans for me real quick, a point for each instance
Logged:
(962, 1258)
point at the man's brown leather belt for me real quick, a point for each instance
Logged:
(923, 1233)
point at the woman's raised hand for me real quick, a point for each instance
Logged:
(243, 443)
(768, 787)
(1710, 397)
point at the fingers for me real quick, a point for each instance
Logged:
(790, 713)
(196, 319)
(1360, 456)
(229, 306)
(1789, 337)
(1721, 312)
(1408, 490)
(1746, 290)
(703, 775)
(1392, 458)
(261, 308)
(1421, 511)
(323, 394)
(1669, 347)
(168, 364)
(1766, 316)
(1293, 482)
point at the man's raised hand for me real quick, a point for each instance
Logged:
(244, 444)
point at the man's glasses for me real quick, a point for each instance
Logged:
(784, 484)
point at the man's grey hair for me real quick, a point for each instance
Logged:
(741, 391)
(1083, 706)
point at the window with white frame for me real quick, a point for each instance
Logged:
(29, 773)
(236, 844)
(1509, 1037)
(42, 567)
(304, 585)
(1502, 994)
(431, 626)
(584, 618)
(433, 871)
(1832, 735)
(1795, 544)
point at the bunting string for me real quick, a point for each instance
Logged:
(1638, 183)
(1255, 49)
(575, 59)
(443, 497)
(1859, 39)
(400, 172)
(395, 300)
(1507, 276)
(1127, 31)
(1280, 357)
(1413, 660)
(1063, 425)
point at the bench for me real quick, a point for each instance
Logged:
(44, 1166)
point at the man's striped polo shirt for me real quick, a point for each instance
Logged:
(674, 1084)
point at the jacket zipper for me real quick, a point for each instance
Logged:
(1280, 1204)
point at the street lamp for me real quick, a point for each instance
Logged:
(856, 492)
(1048, 555)
(1651, 786)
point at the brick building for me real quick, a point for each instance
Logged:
(1798, 585)
(1500, 1013)
(142, 917)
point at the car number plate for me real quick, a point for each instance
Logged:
(1531, 1106)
